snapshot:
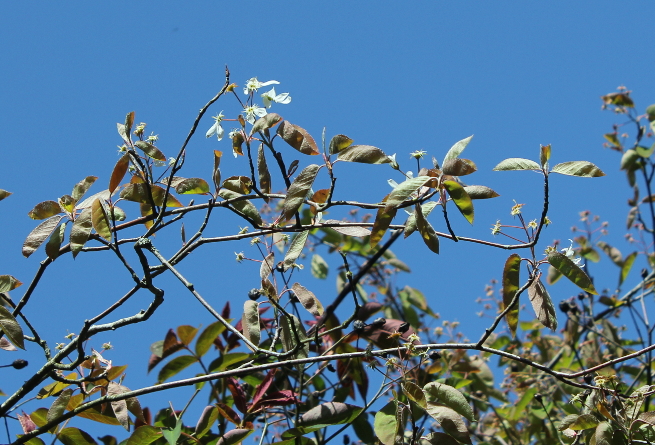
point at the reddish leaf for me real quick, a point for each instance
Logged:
(119, 171)
(238, 394)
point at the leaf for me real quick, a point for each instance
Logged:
(100, 221)
(144, 435)
(207, 418)
(262, 170)
(517, 164)
(326, 414)
(175, 366)
(458, 167)
(450, 421)
(319, 267)
(457, 149)
(415, 394)
(295, 249)
(428, 234)
(4, 194)
(192, 186)
(440, 439)
(319, 197)
(627, 265)
(308, 300)
(480, 192)
(410, 225)
(603, 434)
(39, 235)
(618, 99)
(44, 210)
(449, 396)
(578, 168)
(119, 171)
(238, 184)
(380, 225)
(338, 143)
(173, 434)
(119, 407)
(542, 304)
(82, 187)
(59, 405)
(75, 436)
(461, 199)
(186, 334)
(386, 425)
(553, 275)
(583, 422)
(365, 154)
(290, 339)
(250, 322)
(207, 337)
(244, 206)
(348, 230)
(81, 230)
(510, 287)
(139, 193)
(403, 191)
(298, 190)
(234, 437)
(11, 328)
(544, 155)
(612, 252)
(7, 283)
(216, 175)
(151, 151)
(298, 138)
(645, 152)
(267, 266)
(104, 195)
(571, 271)
(268, 121)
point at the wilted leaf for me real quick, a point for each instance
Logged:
(517, 164)
(461, 199)
(80, 231)
(410, 225)
(338, 143)
(244, 206)
(365, 154)
(450, 421)
(319, 197)
(192, 186)
(295, 249)
(480, 192)
(578, 168)
(510, 287)
(11, 328)
(268, 121)
(298, 190)
(308, 300)
(262, 169)
(449, 396)
(298, 138)
(319, 267)
(151, 151)
(458, 167)
(428, 234)
(457, 148)
(250, 322)
(44, 210)
(542, 304)
(403, 191)
(571, 271)
(39, 234)
(82, 187)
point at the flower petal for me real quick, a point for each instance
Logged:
(283, 98)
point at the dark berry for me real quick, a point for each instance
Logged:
(254, 294)
(379, 322)
(403, 328)
(358, 325)
(644, 273)
(330, 367)
(19, 364)
(564, 306)
(434, 355)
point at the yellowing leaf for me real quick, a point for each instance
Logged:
(80, 231)
(510, 287)
(338, 143)
(139, 193)
(44, 210)
(571, 271)
(578, 168)
(461, 199)
(100, 220)
(191, 186)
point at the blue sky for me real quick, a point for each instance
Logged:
(404, 77)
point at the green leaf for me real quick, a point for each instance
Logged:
(450, 421)
(584, 422)
(262, 169)
(54, 243)
(100, 221)
(7, 283)
(298, 190)
(428, 235)
(173, 434)
(192, 186)
(75, 436)
(542, 304)
(11, 328)
(4, 194)
(322, 416)
(250, 322)
(629, 160)
(319, 267)
(339, 143)
(175, 366)
(382, 221)
(295, 249)
(44, 210)
(440, 439)
(645, 152)
(207, 337)
(458, 167)
(289, 339)
(59, 405)
(144, 435)
(511, 282)
(517, 164)
(39, 235)
(461, 199)
(139, 193)
(386, 424)
(364, 154)
(234, 437)
(571, 271)
(208, 417)
(410, 225)
(449, 396)
(415, 394)
(263, 123)
(238, 184)
(578, 168)
(151, 151)
(604, 433)
(627, 265)
(553, 275)
(82, 187)
(298, 138)
(457, 149)
(244, 206)
(81, 230)
(186, 334)
(403, 191)
(480, 192)
(308, 300)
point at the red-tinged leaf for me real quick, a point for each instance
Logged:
(262, 170)
(139, 193)
(119, 407)
(82, 187)
(228, 413)
(298, 138)
(75, 436)
(381, 224)
(298, 190)
(250, 322)
(7, 283)
(461, 199)
(544, 155)
(480, 192)
(11, 328)
(263, 386)
(81, 230)
(237, 143)
(144, 435)
(238, 394)
(542, 304)
(571, 271)
(234, 437)
(176, 365)
(39, 235)
(4, 194)
(146, 210)
(308, 300)
(458, 167)
(119, 171)
(59, 405)
(450, 421)
(268, 121)
(511, 283)
(151, 151)
(44, 210)
(6, 345)
(208, 417)
(192, 186)
(364, 154)
(206, 338)
(277, 398)
(428, 234)
(319, 197)
(100, 220)
(54, 243)
(338, 143)
(216, 175)
(186, 334)
(26, 422)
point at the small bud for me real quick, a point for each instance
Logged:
(403, 328)
(19, 363)
(346, 439)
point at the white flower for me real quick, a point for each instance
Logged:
(570, 253)
(216, 129)
(253, 84)
(254, 111)
(270, 97)
(392, 162)
(418, 154)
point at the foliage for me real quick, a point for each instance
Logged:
(267, 369)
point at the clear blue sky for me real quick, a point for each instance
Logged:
(402, 76)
